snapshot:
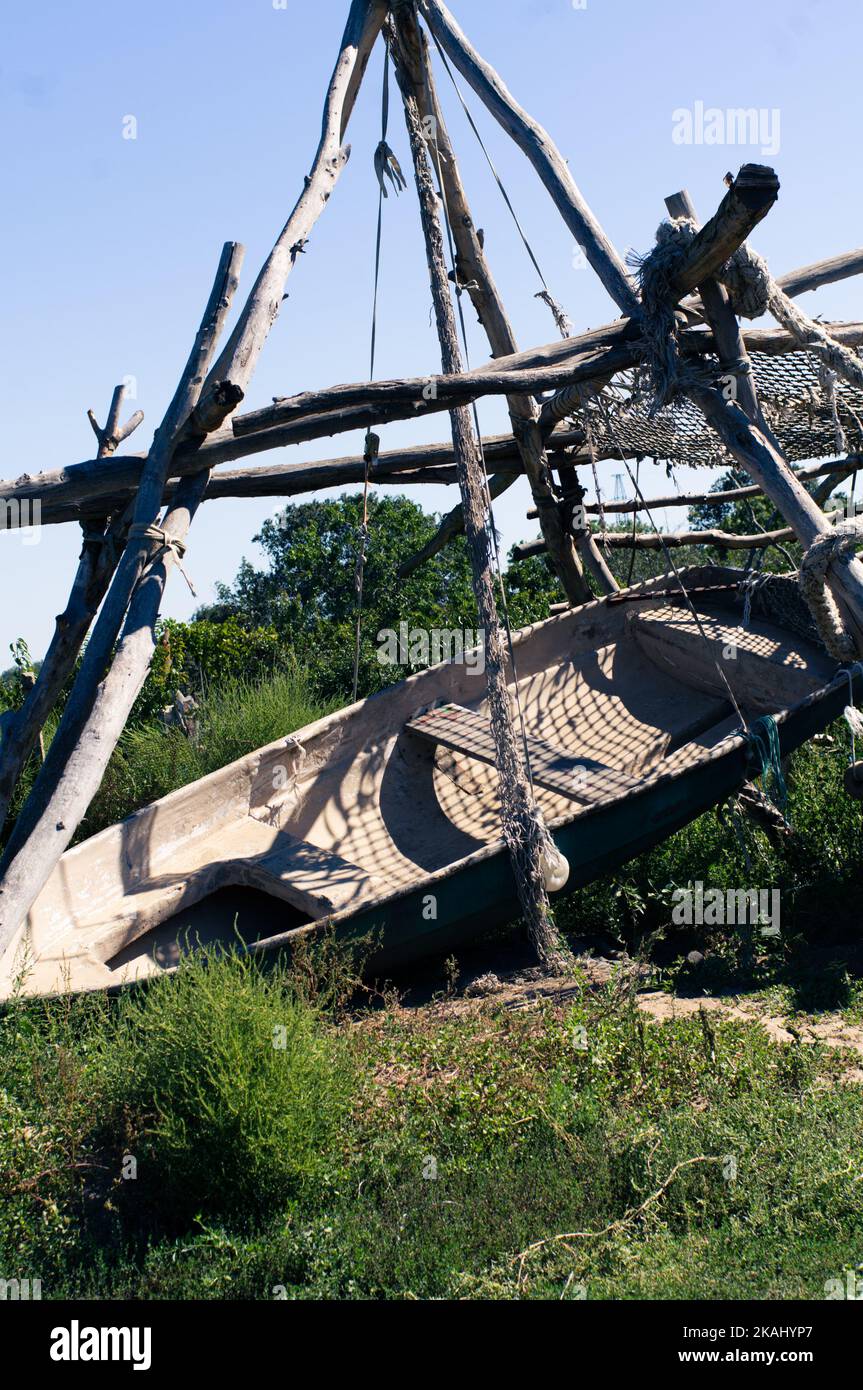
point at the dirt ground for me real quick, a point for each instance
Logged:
(502, 975)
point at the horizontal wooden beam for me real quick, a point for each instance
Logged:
(63, 500)
(718, 499)
(673, 540)
(805, 278)
(81, 489)
(826, 272)
(413, 397)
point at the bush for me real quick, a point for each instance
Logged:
(225, 1087)
(196, 657)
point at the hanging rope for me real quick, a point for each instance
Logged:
(764, 741)
(832, 547)
(559, 315)
(489, 509)
(750, 585)
(386, 167)
(537, 863)
(853, 717)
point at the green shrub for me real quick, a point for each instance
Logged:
(225, 1087)
(197, 657)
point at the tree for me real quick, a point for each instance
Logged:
(308, 592)
(745, 517)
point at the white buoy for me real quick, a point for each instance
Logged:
(555, 868)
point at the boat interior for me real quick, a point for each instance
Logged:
(371, 800)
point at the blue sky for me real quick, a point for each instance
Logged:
(110, 244)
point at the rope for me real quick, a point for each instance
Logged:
(763, 738)
(657, 272)
(749, 586)
(853, 717)
(386, 166)
(168, 545)
(670, 561)
(831, 547)
(560, 317)
(490, 526)
(746, 276)
(753, 291)
(827, 379)
(535, 857)
(584, 395)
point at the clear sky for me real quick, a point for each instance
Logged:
(110, 244)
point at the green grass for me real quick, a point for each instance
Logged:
(421, 1155)
(235, 718)
(415, 1154)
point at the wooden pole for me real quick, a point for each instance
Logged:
(473, 271)
(97, 709)
(411, 397)
(835, 472)
(723, 321)
(517, 802)
(809, 277)
(232, 371)
(673, 540)
(81, 488)
(540, 149)
(826, 272)
(749, 440)
(96, 565)
(747, 202)
(96, 713)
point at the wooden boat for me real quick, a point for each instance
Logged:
(383, 819)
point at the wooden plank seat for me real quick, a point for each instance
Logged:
(580, 779)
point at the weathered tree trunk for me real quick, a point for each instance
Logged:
(833, 472)
(85, 489)
(723, 321)
(99, 554)
(410, 397)
(749, 440)
(540, 149)
(237, 360)
(472, 271)
(97, 709)
(673, 540)
(747, 202)
(517, 807)
(64, 790)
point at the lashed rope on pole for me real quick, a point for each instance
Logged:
(535, 860)
(834, 547)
